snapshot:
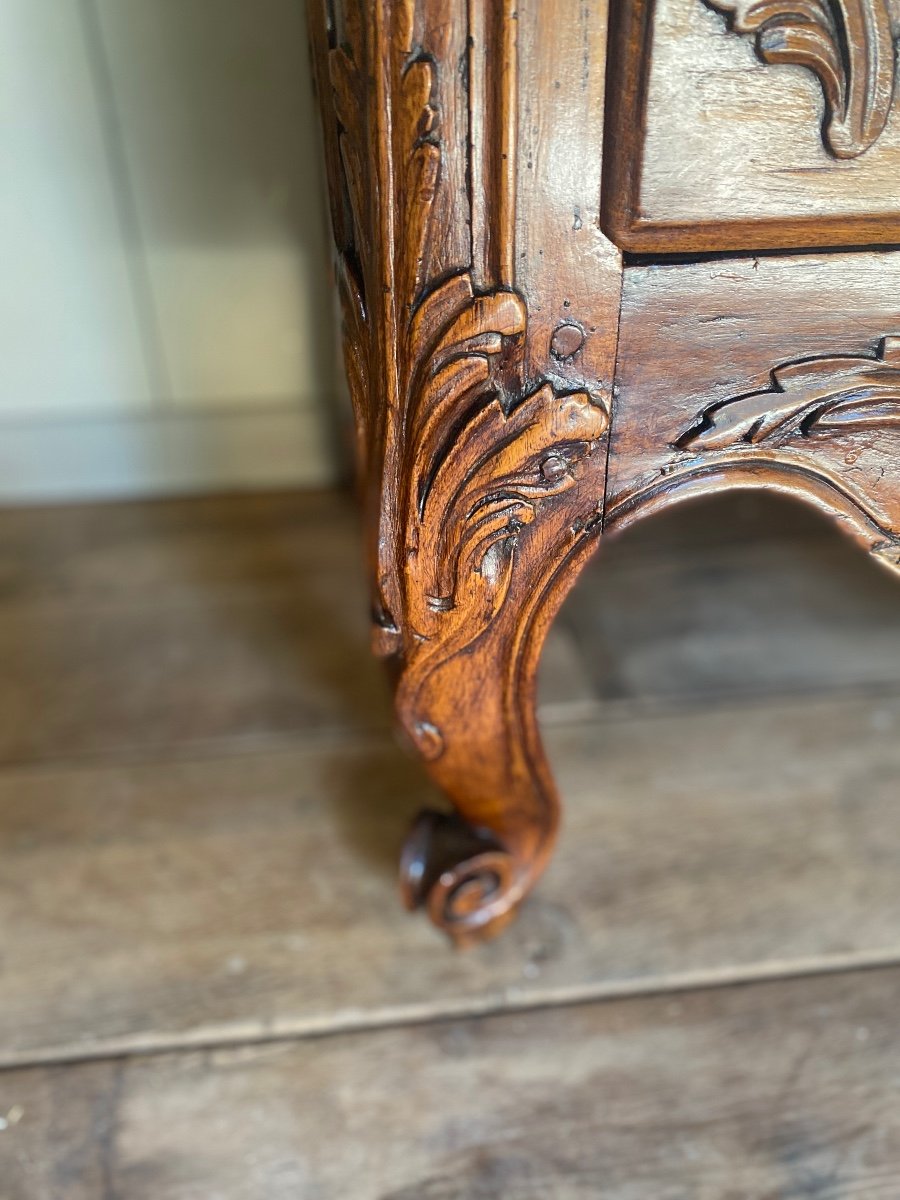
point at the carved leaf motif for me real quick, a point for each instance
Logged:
(417, 122)
(847, 44)
(807, 396)
(472, 524)
(460, 452)
(415, 148)
(484, 462)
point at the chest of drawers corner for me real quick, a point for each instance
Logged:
(593, 260)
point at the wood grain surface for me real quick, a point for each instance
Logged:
(251, 896)
(786, 1089)
(712, 147)
(685, 396)
(131, 629)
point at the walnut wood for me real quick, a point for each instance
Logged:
(481, 434)
(714, 391)
(849, 47)
(481, 313)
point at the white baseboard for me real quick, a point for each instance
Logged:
(164, 453)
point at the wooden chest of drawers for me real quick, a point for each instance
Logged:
(583, 278)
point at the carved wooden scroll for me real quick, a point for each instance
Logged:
(807, 435)
(814, 395)
(472, 468)
(847, 44)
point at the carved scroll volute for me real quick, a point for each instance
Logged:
(467, 463)
(847, 44)
(808, 397)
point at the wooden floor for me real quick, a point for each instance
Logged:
(208, 990)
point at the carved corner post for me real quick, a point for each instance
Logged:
(483, 473)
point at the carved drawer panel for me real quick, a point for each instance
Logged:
(753, 124)
(710, 391)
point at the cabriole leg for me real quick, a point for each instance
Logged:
(480, 373)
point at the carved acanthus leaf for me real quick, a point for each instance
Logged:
(460, 450)
(847, 44)
(363, 271)
(834, 394)
(459, 422)
(484, 459)
(479, 460)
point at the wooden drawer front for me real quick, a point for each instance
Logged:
(735, 124)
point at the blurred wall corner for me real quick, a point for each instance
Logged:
(166, 293)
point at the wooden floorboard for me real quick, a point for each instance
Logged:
(769, 1092)
(175, 549)
(163, 904)
(157, 628)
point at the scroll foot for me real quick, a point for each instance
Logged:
(467, 882)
